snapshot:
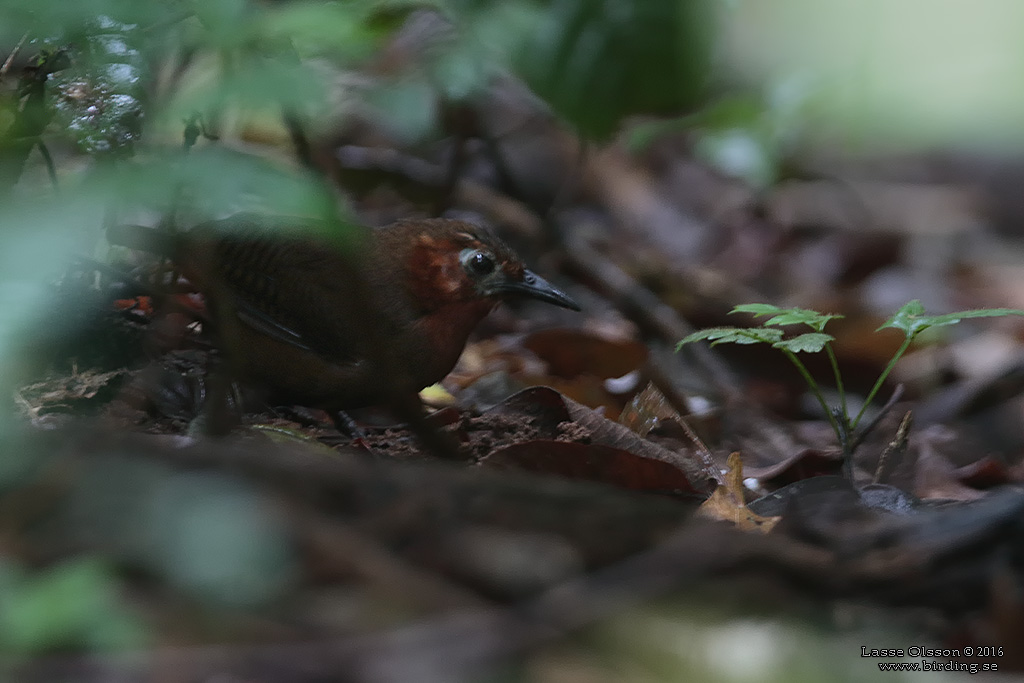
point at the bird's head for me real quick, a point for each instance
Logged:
(450, 263)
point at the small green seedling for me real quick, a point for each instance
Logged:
(910, 319)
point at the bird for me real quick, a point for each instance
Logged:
(343, 326)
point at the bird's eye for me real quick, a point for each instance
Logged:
(478, 263)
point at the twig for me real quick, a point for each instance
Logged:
(303, 149)
(862, 433)
(657, 377)
(10, 58)
(894, 451)
(51, 170)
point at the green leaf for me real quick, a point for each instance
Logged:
(912, 320)
(729, 112)
(46, 19)
(222, 20)
(758, 309)
(342, 30)
(215, 181)
(953, 318)
(639, 137)
(906, 318)
(259, 85)
(787, 316)
(73, 604)
(812, 342)
(598, 61)
(482, 49)
(733, 335)
(37, 236)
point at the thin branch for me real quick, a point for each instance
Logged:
(859, 436)
(10, 58)
(51, 170)
(894, 451)
(678, 402)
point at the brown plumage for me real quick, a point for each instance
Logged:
(323, 326)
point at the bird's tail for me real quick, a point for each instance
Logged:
(143, 239)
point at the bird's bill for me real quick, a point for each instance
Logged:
(534, 287)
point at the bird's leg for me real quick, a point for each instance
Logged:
(409, 409)
(221, 409)
(344, 423)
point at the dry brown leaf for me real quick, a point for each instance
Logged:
(727, 503)
(646, 410)
(548, 410)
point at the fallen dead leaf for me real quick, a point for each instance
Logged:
(549, 412)
(727, 503)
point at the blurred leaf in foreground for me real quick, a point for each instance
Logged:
(71, 605)
(40, 232)
(216, 538)
(598, 61)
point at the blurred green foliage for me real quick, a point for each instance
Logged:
(72, 605)
(214, 538)
(597, 62)
(744, 135)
